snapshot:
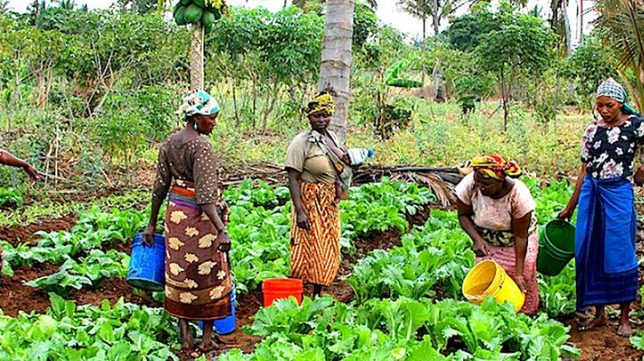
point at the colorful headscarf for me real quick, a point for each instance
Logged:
(198, 102)
(494, 166)
(323, 102)
(612, 89)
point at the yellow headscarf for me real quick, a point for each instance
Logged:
(494, 166)
(323, 102)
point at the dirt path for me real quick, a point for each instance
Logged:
(603, 344)
(25, 234)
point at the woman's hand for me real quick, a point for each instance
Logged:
(148, 235)
(566, 214)
(303, 221)
(639, 175)
(224, 241)
(33, 173)
(480, 249)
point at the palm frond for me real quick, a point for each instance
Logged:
(624, 20)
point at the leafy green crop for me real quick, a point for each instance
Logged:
(558, 293)
(403, 329)
(260, 244)
(380, 207)
(550, 199)
(89, 271)
(93, 229)
(259, 194)
(260, 223)
(70, 333)
(435, 254)
(10, 197)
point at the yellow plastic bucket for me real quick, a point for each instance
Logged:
(488, 278)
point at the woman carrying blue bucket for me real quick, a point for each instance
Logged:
(605, 237)
(197, 273)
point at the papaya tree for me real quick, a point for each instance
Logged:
(201, 14)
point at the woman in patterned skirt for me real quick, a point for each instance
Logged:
(313, 164)
(606, 222)
(197, 274)
(498, 213)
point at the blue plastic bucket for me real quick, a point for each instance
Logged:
(147, 264)
(225, 325)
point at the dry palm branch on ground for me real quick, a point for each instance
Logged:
(440, 180)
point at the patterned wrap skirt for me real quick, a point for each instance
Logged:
(197, 274)
(506, 258)
(315, 253)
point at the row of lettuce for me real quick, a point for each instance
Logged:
(259, 226)
(422, 276)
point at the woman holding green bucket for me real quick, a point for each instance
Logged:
(605, 257)
(497, 212)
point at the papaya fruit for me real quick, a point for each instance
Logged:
(208, 19)
(180, 16)
(199, 3)
(193, 14)
(185, 3)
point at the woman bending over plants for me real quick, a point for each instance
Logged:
(498, 213)
(605, 258)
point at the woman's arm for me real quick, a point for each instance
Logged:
(9, 159)
(294, 181)
(224, 239)
(159, 193)
(465, 213)
(572, 203)
(520, 228)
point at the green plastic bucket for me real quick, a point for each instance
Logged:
(556, 247)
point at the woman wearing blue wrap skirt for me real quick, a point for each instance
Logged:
(606, 223)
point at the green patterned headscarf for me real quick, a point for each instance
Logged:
(614, 90)
(198, 102)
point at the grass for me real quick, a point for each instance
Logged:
(47, 208)
(438, 136)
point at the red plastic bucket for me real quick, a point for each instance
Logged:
(280, 288)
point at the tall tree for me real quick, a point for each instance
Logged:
(335, 68)
(437, 11)
(560, 23)
(624, 20)
(301, 3)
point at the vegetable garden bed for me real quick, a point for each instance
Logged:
(438, 238)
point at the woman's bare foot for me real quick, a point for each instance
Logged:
(625, 329)
(598, 321)
(204, 348)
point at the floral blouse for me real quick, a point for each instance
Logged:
(609, 151)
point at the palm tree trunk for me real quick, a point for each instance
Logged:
(438, 86)
(335, 68)
(196, 58)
